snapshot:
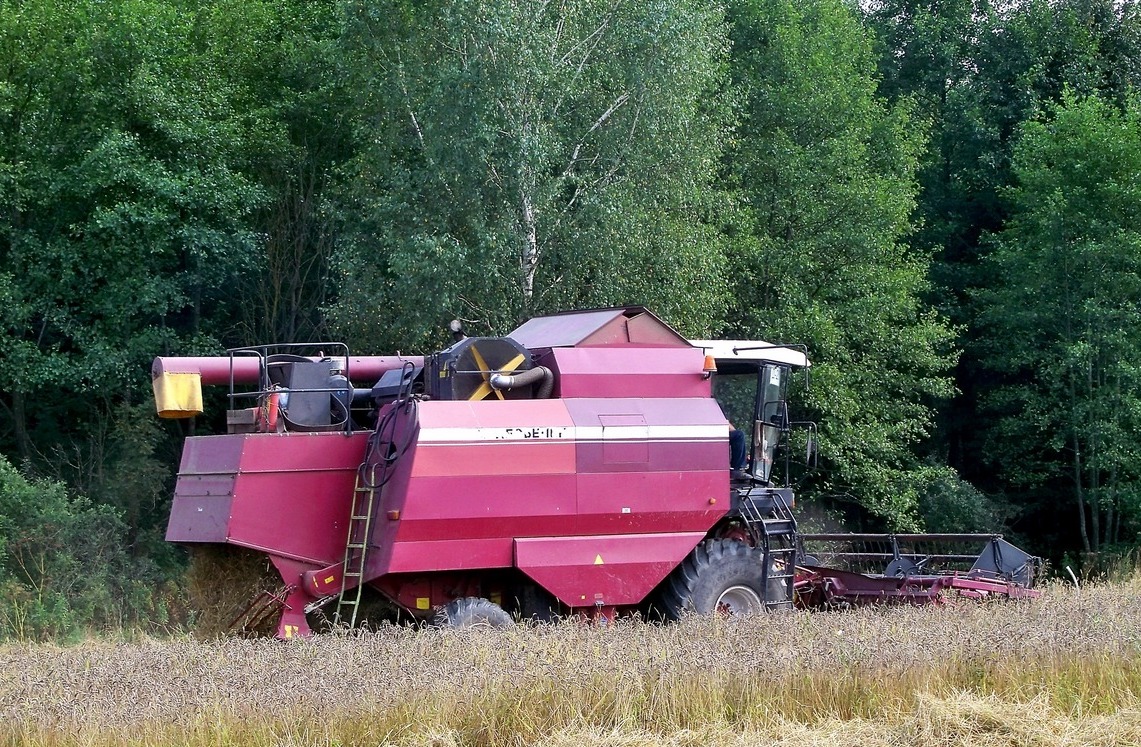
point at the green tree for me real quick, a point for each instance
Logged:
(525, 157)
(826, 175)
(1062, 320)
(978, 70)
(278, 62)
(121, 228)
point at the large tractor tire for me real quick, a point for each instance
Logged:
(472, 612)
(720, 576)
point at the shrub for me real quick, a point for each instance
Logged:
(64, 568)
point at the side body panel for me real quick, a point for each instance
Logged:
(642, 478)
(285, 493)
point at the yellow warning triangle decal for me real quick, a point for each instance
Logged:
(598, 560)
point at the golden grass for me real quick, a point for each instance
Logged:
(1064, 670)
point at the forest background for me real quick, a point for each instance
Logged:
(940, 198)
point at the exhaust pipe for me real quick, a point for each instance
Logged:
(507, 382)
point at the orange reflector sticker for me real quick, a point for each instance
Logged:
(423, 603)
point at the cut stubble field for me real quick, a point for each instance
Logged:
(1061, 670)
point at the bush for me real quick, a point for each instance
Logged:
(64, 568)
(951, 504)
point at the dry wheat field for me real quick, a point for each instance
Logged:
(1062, 670)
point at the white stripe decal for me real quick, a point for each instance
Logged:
(580, 434)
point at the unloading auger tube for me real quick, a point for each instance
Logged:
(578, 465)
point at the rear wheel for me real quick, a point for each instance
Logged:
(472, 612)
(720, 576)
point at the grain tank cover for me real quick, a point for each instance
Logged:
(620, 353)
(624, 327)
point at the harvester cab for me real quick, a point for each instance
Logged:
(751, 381)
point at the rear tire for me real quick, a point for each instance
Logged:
(722, 576)
(472, 612)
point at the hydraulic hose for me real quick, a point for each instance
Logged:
(405, 405)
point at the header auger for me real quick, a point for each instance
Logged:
(579, 465)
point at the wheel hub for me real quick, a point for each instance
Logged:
(739, 600)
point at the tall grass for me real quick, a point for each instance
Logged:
(1062, 670)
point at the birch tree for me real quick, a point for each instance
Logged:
(527, 156)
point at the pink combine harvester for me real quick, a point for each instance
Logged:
(579, 465)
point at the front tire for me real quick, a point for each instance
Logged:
(720, 576)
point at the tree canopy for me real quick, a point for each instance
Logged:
(826, 182)
(1064, 302)
(534, 157)
(936, 198)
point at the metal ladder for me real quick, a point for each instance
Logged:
(380, 459)
(775, 534)
(368, 483)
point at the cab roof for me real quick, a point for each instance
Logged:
(751, 353)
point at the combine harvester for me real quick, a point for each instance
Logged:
(580, 465)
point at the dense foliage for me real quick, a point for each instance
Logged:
(1026, 200)
(65, 567)
(937, 198)
(1066, 403)
(825, 175)
(532, 157)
